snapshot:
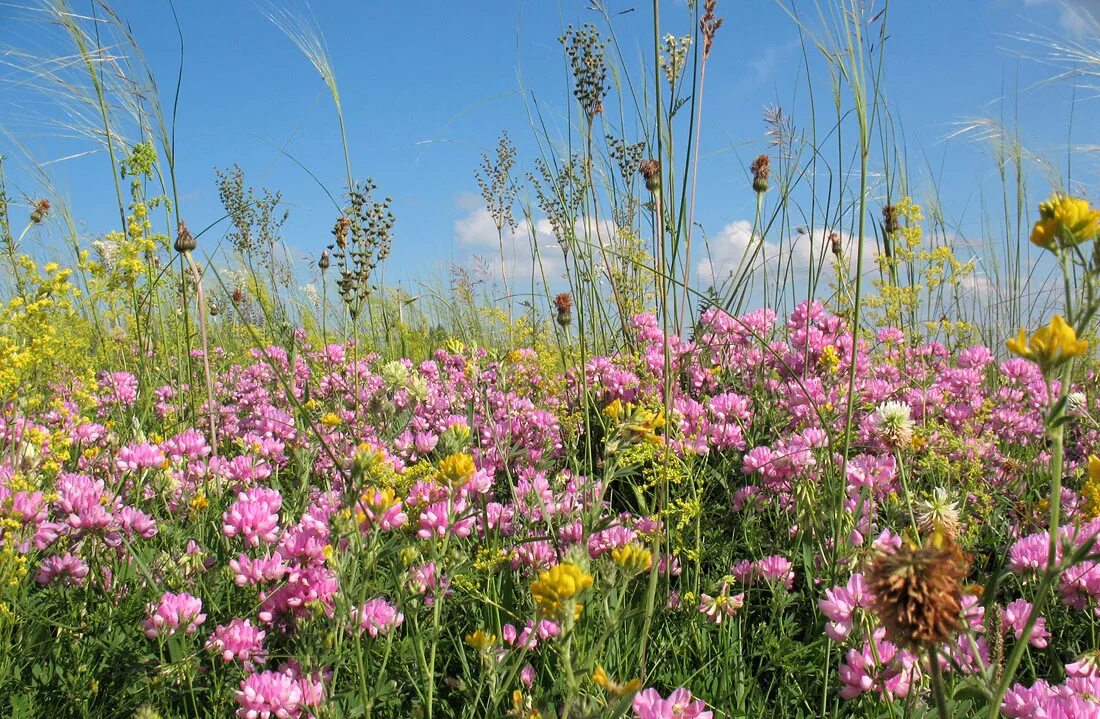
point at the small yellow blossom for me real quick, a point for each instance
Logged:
(1065, 221)
(480, 640)
(1049, 346)
(456, 470)
(198, 503)
(557, 587)
(633, 558)
(330, 420)
(616, 690)
(830, 358)
(1090, 490)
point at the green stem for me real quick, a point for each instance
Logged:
(937, 683)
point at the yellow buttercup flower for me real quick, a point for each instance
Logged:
(330, 420)
(557, 587)
(1065, 221)
(1049, 346)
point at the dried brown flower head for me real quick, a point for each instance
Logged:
(835, 244)
(708, 26)
(340, 231)
(889, 219)
(918, 593)
(564, 305)
(651, 172)
(41, 209)
(761, 168)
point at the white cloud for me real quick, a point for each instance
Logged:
(1078, 17)
(734, 247)
(477, 232)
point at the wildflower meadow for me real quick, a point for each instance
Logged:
(854, 474)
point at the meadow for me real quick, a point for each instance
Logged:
(614, 491)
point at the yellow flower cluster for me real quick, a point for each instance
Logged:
(633, 558)
(636, 424)
(32, 348)
(456, 470)
(1049, 346)
(557, 588)
(1090, 490)
(1065, 221)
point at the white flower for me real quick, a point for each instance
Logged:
(895, 423)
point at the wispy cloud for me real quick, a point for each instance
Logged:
(1078, 17)
(477, 233)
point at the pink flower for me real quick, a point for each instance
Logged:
(254, 516)
(378, 617)
(775, 569)
(1016, 615)
(173, 612)
(648, 704)
(840, 605)
(240, 639)
(68, 568)
(891, 675)
(255, 571)
(718, 608)
(136, 457)
(269, 694)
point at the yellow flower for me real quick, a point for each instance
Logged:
(1065, 221)
(557, 587)
(616, 690)
(633, 558)
(1090, 490)
(481, 641)
(1049, 346)
(330, 420)
(456, 470)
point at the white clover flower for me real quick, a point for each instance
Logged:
(938, 516)
(895, 423)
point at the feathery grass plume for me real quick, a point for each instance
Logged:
(918, 593)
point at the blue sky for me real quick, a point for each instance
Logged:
(428, 86)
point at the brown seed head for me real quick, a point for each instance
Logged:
(651, 172)
(41, 209)
(761, 169)
(889, 219)
(708, 26)
(340, 231)
(564, 305)
(918, 593)
(324, 262)
(835, 245)
(185, 242)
